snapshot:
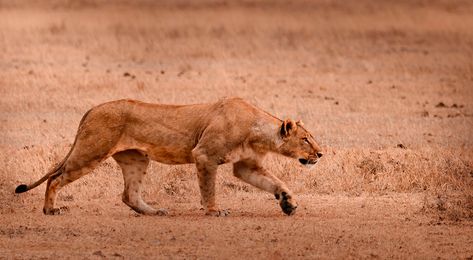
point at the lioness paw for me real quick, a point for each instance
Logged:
(288, 205)
(218, 213)
(162, 212)
(55, 211)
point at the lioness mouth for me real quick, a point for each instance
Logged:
(305, 161)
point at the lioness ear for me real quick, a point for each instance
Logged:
(287, 128)
(300, 123)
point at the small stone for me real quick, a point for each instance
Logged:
(98, 253)
(401, 146)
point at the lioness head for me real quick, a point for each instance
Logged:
(298, 143)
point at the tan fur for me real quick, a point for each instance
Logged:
(228, 131)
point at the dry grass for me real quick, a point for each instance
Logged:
(353, 172)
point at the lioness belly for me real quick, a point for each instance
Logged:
(163, 152)
(170, 154)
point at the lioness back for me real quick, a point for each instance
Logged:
(167, 133)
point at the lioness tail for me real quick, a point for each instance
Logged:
(56, 170)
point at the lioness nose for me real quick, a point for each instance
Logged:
(319, 154)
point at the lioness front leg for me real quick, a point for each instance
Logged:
(207, 173)
(253, 173)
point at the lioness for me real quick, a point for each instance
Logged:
(228, 131)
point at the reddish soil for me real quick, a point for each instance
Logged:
(391, 226)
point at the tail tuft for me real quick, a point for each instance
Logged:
(21, 188)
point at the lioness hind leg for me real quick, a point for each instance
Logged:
(69, 173)
(134, 166)
(91, 146)
(253, 173)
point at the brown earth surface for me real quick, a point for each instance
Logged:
(390, 226)
(385, 86)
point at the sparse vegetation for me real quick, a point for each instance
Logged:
(385, 86)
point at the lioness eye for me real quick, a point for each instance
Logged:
(306, 140)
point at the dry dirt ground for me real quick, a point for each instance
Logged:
(385, 86)
(325, 227)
